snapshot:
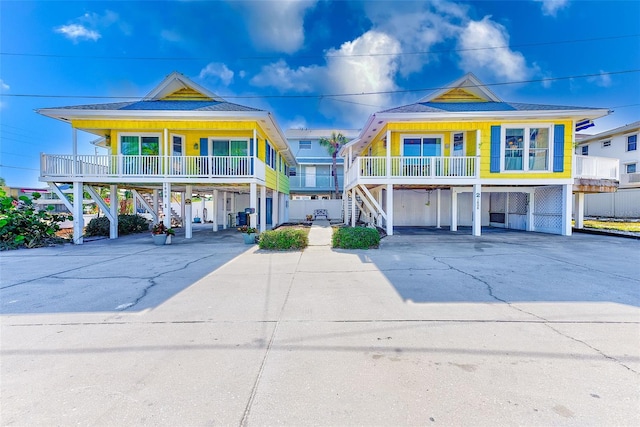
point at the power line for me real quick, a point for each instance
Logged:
(17, 167)
(19, 155)
(335, 95)
(354, 55)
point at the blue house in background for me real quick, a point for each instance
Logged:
(312, 178)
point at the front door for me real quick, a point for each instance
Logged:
(458, 145)
(310, 176)
(177, 153)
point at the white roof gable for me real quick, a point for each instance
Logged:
(470, 83)
(176, 81)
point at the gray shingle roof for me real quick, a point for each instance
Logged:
(461, 107)
(164, 106)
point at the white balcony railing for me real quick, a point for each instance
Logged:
(113, 166)
(427, 168)
(592, 167)
(314, 182)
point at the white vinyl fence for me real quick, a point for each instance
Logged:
(623, 203)
(299, 209)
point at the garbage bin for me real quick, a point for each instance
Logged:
(242, 219)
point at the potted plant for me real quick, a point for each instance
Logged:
(169, 232)
(159, 233)
(249, 234)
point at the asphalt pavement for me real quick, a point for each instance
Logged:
(510, 328)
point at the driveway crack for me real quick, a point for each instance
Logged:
(545, 322)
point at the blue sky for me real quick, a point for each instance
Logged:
(290, 57)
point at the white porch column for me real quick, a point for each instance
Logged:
(203, 206)
(389, 201)
(263, 208)
(156, 204)
(275, 208)
(253, 203)
(166, 203)
(531, 207)
(454, 210)
(566, 209)
(233, 207)
(183, 208)
(388, 153)
(578, 212)
(477, 210)
(345, 207)
(113, 210)
(78, 219)
(353, 207)
(188, 218)
(506, 210)
(438, 199)
(74, 165)
(214, 208)
(225, 212)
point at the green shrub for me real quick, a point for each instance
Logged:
(355, 238)
(22, 225)
(127, 224)
(282, 240)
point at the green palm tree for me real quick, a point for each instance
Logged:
(333, 145)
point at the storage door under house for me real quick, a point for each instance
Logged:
(508, 210)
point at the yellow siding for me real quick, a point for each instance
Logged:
(470, 129)
(191, 130)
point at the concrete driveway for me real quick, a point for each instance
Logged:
(443, 329)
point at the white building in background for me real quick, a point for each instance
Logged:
(619, 143)
(312, 179)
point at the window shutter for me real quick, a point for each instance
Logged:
(495, 149)
(204, 147)
(558, 148)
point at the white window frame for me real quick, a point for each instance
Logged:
(582, 150)
(626, 142)
(306, 142)
(229, 139)
(629, 164)
(140, 135)
(525, 152)
(184, 143)
(422, 136)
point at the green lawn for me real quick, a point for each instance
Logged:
(613, 225)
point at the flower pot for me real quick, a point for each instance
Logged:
(249, 238)
(159, 239)
(168, 241)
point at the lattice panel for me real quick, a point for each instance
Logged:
(497, 202)
(548, 209)
(518, 203)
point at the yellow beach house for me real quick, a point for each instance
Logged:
(463, 157)
(180, 138)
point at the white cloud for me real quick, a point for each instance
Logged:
(3, 86)
(501, 62)
(345, 72)
(87, 26)
(602, 80)
(277, 26)
(171, 36)
(77, 32)
(551, 7)
(418, 27)
(219, 71)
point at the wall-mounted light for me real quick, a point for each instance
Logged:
(196, 146)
